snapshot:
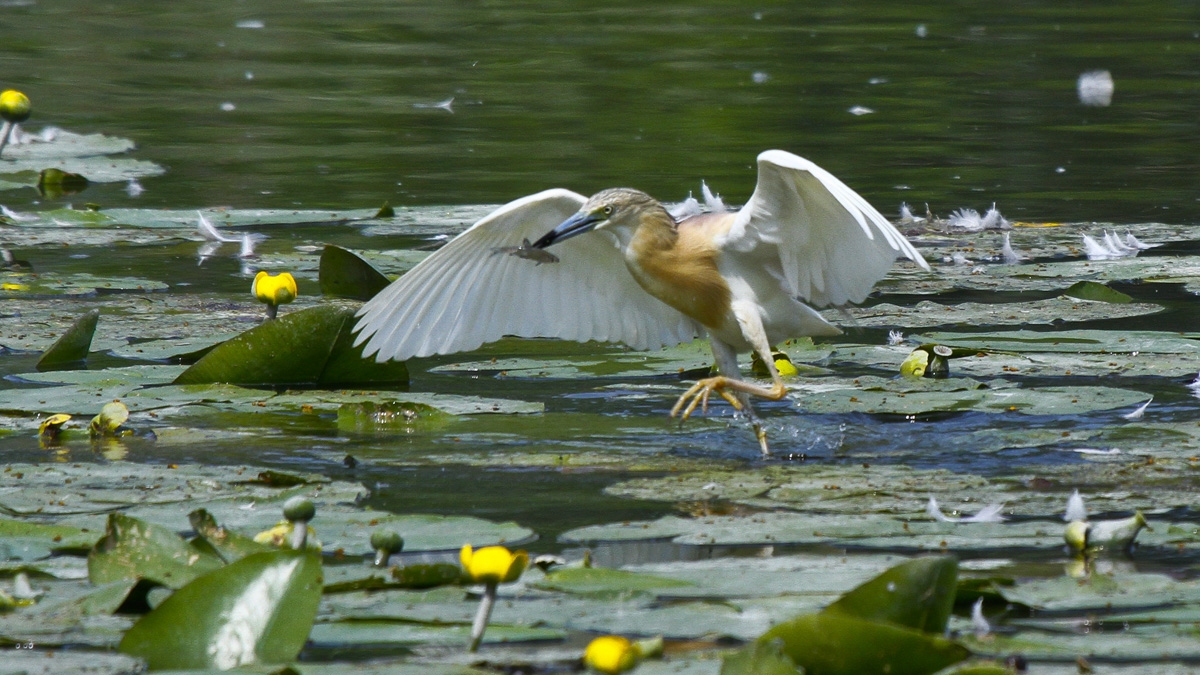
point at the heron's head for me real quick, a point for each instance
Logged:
(614, 209)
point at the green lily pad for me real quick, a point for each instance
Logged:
(1103, 592)
(74, 344)
(397, 633)
(259, 609)
(71, 614)
(53, 285)
(827, 644)
(55, 537)
(345, 528)
(311, 346)
(345, 274)
(918, 594)
(912, 396)
(89, 491)
(759, 658)
(1050, 311)
(1090, 290)
(223, 542)
(590, 580)
(134, 549)
(27, 662)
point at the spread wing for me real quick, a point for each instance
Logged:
(828, 245)
(467, 293)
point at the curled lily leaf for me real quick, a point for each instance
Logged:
(110, 419)
(493, 564)
(611, 655)
(1102, 535)
(52, 426)
(932, 360)
(915, 364)
(274, 290)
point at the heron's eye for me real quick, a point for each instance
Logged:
(608, 210)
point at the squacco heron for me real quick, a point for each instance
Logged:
(624, 270)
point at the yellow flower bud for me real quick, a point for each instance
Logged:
(279, 289)
(493, 564)
(14, 106)
(611, 655)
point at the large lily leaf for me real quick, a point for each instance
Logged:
(135, 549)
(259, 609)
(346, 274)
(833, 644)
(74, 344)
(918, 594)
(312, 346)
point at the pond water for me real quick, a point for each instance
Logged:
(448, 107)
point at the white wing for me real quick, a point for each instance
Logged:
(467, 293)
(827, 242)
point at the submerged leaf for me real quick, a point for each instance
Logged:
(74, 344)
(259, 609)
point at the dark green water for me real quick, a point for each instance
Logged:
(331, 100)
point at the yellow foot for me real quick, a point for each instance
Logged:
(698, 396)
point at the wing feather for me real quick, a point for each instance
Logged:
(830, 243)
(466, 293)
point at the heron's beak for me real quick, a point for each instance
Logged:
(577, 224)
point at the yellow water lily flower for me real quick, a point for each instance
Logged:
(13, 287)
(274, 290)
(14, 106)
(493, 564)
(612, 655)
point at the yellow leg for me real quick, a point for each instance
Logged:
(727, 383)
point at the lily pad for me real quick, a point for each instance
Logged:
(28, 662)
(911, 396)
(345, 274)
(312, 346)
(1050, 311)
(827, 644)
(134, 549)
(259, 609)
(74, 344)
(404, 633)
(591, 580)
(55, 537)
(918, 594)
